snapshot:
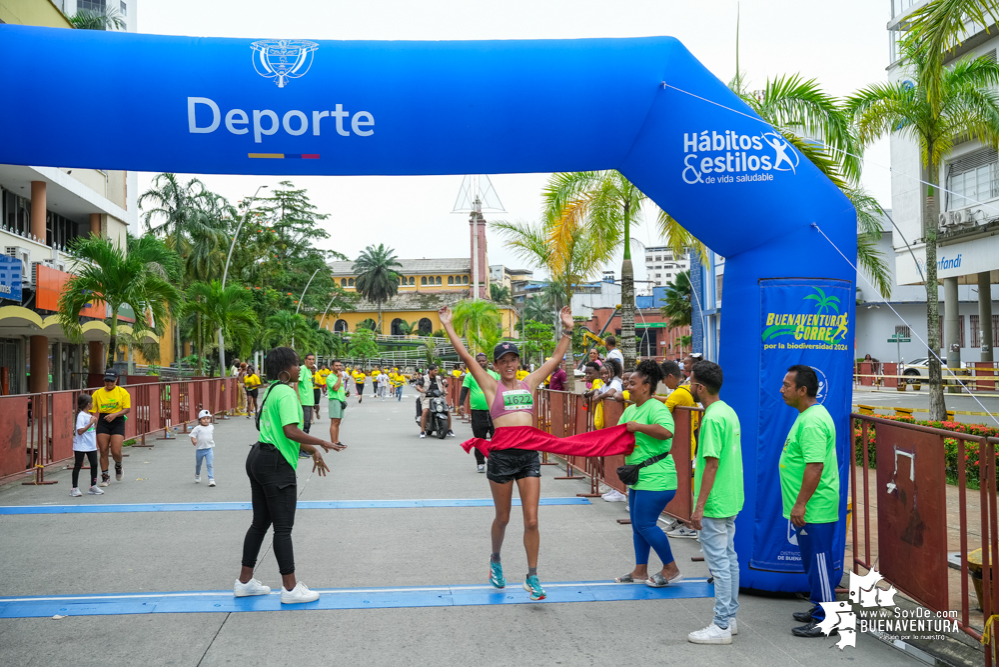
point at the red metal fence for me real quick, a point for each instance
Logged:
(927, 518)
(36, 430)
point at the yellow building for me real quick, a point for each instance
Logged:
(424, 286)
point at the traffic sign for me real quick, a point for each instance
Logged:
(899, 340)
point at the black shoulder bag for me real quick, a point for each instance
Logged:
(629, 473)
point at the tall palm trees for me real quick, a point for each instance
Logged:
(143, 278)
(676, 304)
(968, 107)
(479, 321)
(376, 279)
(224, 308)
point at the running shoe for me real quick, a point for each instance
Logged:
(197, 479)
(105, 479)
(252, 587)
(117, 471)
(482, 468)
(496, 574)
(450, 434)
(75, 492)
(299, 594)
(95, 491)
(533, 586)
(615, 496)
(423, 434)
(683, 532)
(211, 482)
(711, 635)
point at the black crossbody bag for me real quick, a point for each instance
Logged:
(629, 473)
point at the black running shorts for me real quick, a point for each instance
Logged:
(507, 465)
(114, 427)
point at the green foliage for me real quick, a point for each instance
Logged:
(539, 341)
(284, 326)
(677, 306)
(500, 294)
(362, 345)
(89, 19)
(376, 279)
(228, 309)
(144, 278)
(479, 321)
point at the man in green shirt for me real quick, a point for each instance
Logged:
(719, 498)
(482, 423)
(809, 485)
(336, 391)
(305, 394)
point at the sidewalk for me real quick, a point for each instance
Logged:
(141, 552)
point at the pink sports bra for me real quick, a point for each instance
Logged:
(509, 401)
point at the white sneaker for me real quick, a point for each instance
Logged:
(211, 482)
(75, 492)
(711, 635)
(615, 496)
(423, 434)
(197, 479)
(299, 594)
(252, 587)
(669, 523)
(683, 532)
(482, 468)
(733, 627)
(95, 491)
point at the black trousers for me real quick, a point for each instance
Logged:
(274, 487)
(78, 466)
(482, 427)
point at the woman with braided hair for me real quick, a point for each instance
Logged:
(652, 424)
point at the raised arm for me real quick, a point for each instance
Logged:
(547, 368)
(481, 376)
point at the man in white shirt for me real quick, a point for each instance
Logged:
(234, 371)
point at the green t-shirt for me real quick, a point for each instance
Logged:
(721, 439)
(305, 386)
(341, 393)
(280, 409)
(660, 476)
(477, 400)
(812, 439)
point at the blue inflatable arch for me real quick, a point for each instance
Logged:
(300, 107)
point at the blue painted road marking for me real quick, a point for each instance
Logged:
(341, 598)
(302, 505)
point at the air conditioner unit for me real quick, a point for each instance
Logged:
(944, 219)
(34, 271)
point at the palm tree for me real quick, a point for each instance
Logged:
(284, 326)
(969, 107)
(89, 19)
(607, 205)
(475, 319)
(142, 278)
(176, 207)
(228, 309)
(676, 304)
(937, 28)
(376, 281)
(500, 294)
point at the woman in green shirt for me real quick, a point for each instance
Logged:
(651, 422)
(271, 468)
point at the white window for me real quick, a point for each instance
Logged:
(972, 178)
(124, 9)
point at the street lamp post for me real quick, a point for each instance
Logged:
(302, 298)
(225, 274)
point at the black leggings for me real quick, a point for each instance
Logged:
(78, 465)
(274, 487)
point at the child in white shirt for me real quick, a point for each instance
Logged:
(203, 438)
(85, 444)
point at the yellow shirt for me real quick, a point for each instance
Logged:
(359, 378)
(319, 378)
(521, 374)
(682, 396)
(105, 402)
(252, 381)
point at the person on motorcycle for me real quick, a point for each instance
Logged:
(430, 382)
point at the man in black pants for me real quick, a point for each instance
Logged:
(482, 423)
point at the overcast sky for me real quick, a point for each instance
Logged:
(844, 45)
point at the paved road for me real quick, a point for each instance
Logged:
(105, 553)
(886, 399)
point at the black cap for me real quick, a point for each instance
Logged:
(503, 349)
(110, 375)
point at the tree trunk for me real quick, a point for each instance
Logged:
(113, 342)
(627, 342)
(931, 213)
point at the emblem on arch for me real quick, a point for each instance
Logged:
(283, 59)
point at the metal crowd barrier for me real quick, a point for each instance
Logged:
(36, 430)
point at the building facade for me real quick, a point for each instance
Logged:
(42, 209)
(662, 266)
